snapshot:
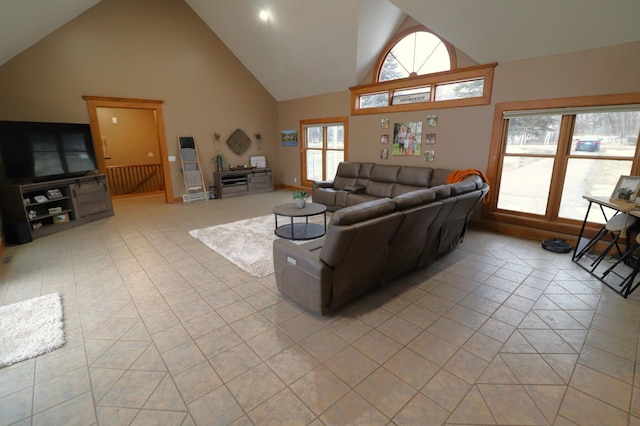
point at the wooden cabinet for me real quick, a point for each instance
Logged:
(37, 209)
(243, 182)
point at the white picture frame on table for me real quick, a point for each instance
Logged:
(626, 189)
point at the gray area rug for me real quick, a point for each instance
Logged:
(246, 243)
(30, 328)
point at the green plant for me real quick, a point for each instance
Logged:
(220, 162)
(625, 193)
(300, 195)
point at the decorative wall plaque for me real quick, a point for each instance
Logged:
(239, 142)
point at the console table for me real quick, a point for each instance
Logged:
(233, 183)
(300, 230)
(33, 210)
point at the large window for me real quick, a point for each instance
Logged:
(547, 157)
(324, 145)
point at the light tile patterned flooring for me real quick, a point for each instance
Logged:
(161, 330)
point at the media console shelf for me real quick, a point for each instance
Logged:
(243, 182)
(37, 209)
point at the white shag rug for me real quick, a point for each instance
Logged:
(30, 328)
(246, 243)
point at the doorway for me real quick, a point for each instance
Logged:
(98, 106)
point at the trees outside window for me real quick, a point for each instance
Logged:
(548, 155)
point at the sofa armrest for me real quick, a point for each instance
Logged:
(301, 275)
(322, 184)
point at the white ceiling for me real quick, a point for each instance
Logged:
(310, 47)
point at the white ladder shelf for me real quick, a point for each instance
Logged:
(191, 170)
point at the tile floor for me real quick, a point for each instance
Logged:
(163, 331)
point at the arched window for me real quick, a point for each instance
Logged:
(415, 51)
(418, 70)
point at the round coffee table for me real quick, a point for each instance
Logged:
(300, 230)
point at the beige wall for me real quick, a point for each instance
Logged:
(463, 135)
(145, 49)
(160, 49)
(133, 139)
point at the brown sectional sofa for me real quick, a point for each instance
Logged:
(370, 243)
(356, 183)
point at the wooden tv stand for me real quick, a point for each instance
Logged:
(34, 210)
(233, 183)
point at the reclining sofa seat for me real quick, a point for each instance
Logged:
(350, 261)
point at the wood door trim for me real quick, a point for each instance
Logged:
(95, 102)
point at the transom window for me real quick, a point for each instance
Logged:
(417, 70)
(417, 53)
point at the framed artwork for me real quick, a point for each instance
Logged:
(384, 139)
(626, 189)
(432, 120)
(429, 156)
(289, 137)
(384, 123)
(430, 138)
(407, 138)
(384, 154)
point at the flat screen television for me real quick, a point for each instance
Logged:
(37, 152)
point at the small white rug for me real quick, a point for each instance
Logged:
(246, 243)
(30, 328)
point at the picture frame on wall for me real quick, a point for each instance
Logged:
(289, 137)
(430, 138)
(407, 138)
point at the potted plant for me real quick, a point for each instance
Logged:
(625, 193)
(220, 162)
(300, 198)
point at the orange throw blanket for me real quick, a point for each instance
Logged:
(458, 175)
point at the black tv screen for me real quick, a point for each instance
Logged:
(33, 151)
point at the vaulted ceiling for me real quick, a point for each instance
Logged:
(313, 47)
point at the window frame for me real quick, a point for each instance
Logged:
(541, 225)
(484, 72)
(453, 59)
(324, 122)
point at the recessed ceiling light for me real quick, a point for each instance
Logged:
(264, 15)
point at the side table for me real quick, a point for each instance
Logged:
(300, 230)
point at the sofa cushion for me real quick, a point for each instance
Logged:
(341, 182)
(362, 211)
(385, 173)
(415, 176)
(346, 175)
(353, 199)
(346, 169)
(399, 189)
(462, 187)
(380, 189)
(442, 191)
(414, 198)
(475, 179)
(327, 196)
(365, 170)
(440, 176)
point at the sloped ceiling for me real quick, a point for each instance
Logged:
(313, 47)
